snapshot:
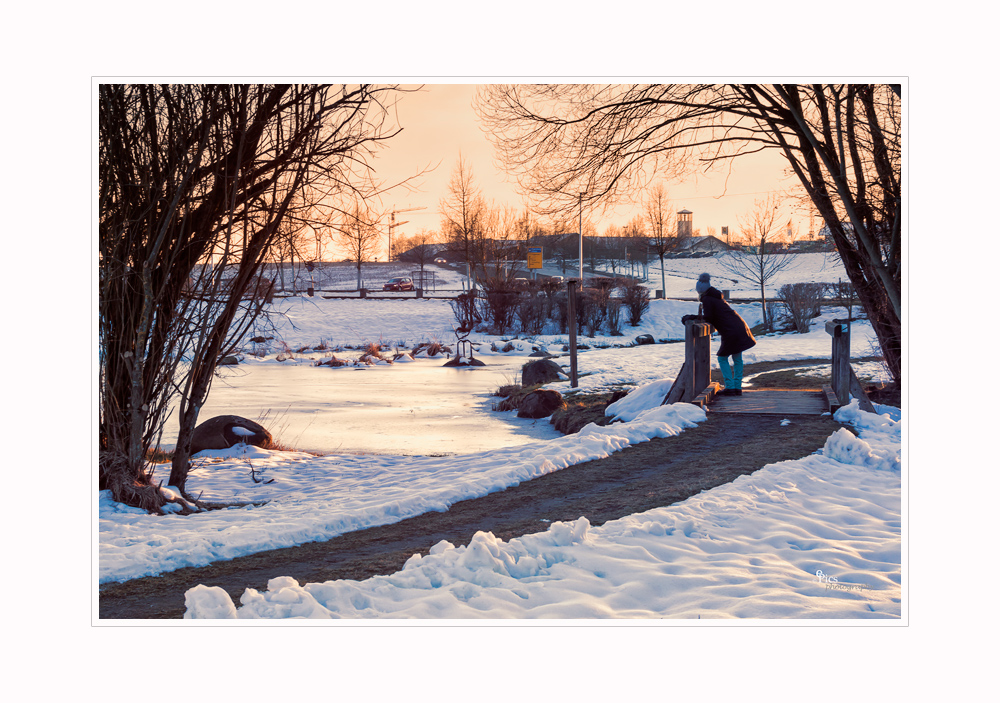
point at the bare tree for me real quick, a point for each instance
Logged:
(636, 245)
(843, 142)
(563, 246)
(194, 184)
(609, 247)
(358, 233)
(298, 233)
(462, 213)
(663, 236)
(498, 243)
(419, 249)
(762, 256)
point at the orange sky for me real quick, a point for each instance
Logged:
(439, 123)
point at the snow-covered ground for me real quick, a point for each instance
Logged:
(819, 537)
(749, 549)
(387, 409)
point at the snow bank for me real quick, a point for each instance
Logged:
(648, 395)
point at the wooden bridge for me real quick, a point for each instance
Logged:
(694, 384)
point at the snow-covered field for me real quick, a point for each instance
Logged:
(372, 409)
(815, 538)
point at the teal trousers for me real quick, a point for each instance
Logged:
(733, 374)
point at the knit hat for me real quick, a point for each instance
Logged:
(703, 284)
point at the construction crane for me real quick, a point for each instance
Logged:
(393, 224)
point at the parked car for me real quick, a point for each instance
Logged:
(398, 283)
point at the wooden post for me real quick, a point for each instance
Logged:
(840, 373)
(681, 385)
(859, 392)
(701, 353)
(571, 313)
(696, 372)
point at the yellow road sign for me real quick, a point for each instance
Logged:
(534, 257)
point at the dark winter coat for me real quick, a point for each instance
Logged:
(736, 336)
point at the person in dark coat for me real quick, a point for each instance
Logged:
(733, 329)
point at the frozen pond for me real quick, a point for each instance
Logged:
(412, 408)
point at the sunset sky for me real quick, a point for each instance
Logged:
(439, 123)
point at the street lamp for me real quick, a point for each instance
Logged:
(581, 238)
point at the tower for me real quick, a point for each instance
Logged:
(684, 223)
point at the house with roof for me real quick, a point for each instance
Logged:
(691, 247)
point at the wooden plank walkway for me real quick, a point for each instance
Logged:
(772, 401)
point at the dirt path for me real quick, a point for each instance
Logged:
(649, 475)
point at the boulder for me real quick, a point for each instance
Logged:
(459, 360)
(229, 361)
(645, 339)
(225, 431)
(540, 403)
(540, 372)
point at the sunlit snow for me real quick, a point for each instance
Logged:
(406, 438)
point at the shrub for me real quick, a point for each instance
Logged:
(802, 301)
(560, 311)
(635, 298)
(614, 317)
(532, 311)
(844, 295)
(499, 303)
(466, 311)
(584, 301)
(596, 309)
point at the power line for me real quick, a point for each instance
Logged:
(728, 195)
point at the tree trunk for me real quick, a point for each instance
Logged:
(763, 309)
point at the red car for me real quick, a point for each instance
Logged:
(398, 283)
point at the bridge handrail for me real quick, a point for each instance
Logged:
(843, 381)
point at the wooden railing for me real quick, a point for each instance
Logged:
(694, 382)
(844, 382)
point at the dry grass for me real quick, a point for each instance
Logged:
(583, 408)
(372, 349)
(156, 455)
(513, 395)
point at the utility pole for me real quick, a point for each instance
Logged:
(571, 313)
(581, 238)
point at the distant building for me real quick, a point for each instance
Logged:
(707, 244)
(685, 223)
(803, 246)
